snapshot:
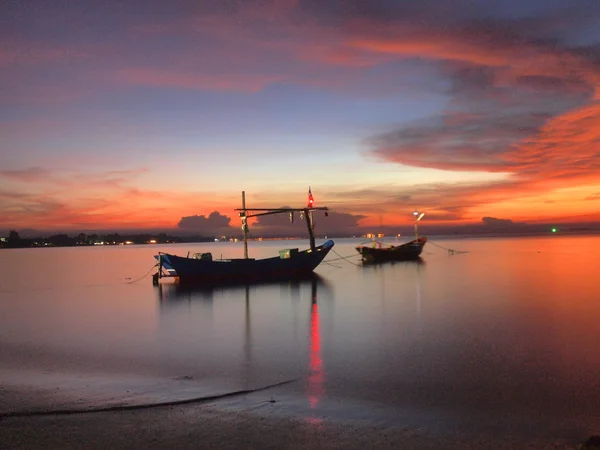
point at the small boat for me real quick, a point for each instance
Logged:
(405, 252)
(201, 268)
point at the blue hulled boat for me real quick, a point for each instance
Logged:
(292, 263)
(202, 269)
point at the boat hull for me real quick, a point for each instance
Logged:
(210, 272)
(405, 252)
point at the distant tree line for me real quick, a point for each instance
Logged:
(62, 240)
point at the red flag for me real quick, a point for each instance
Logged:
(310, 198)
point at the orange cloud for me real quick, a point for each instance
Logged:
(64, 200)
(519, 105)
(563, 153)
(483, 44)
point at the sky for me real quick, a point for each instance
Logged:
(148, 114)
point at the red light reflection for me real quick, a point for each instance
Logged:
(316, 388)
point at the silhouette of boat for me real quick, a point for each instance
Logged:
(201, 268)
(405, 252)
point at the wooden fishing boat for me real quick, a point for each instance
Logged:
(405, 252)
(201, 268)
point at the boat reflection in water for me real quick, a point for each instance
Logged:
(418, 261)
(279, 332)
(175, 293)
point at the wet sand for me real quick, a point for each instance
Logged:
(211, 425)
(207, 427)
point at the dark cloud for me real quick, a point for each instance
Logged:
(280, 224)
(453, 142)
(497, 223)
(553, 85)
(595, 196)
(217, 224)
(213, 225)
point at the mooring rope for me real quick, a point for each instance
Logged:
(337, 259)
(332, 265)
(345, 258)
(142, 277)
(451, 251)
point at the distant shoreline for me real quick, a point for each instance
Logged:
(82, 240)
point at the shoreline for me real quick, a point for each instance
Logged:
(208, 426)
(243, 422)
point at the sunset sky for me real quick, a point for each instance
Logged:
(138, 114)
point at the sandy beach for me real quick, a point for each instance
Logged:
(207, 427)
(213, 425)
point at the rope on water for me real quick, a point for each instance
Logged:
(332, 265)
(451, 251)
(345, 258)
(337, 259)
(141, 278)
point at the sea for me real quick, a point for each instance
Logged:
(489, 335)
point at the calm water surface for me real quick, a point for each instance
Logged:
(505, 338)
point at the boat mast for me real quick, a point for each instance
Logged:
(311, 234)
(256, 212)
(244, 224)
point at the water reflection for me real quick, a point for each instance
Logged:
(316, 377)
(377, 264)
(259, 317)
(175, 293)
